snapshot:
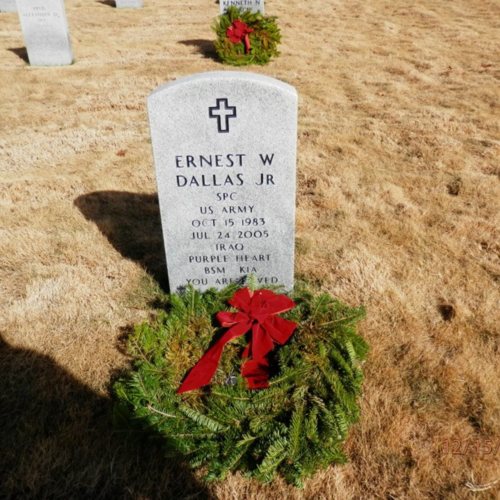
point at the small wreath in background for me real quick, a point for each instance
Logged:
(293, 427)
(245, 37)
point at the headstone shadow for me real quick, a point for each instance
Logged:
(131, 222)
(204, 47)
(57, 440)
(109, 3)
(20, 52)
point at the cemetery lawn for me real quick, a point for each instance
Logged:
(397, 209)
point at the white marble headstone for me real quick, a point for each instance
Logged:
(8, 6)
(224, 146)
(129, 4)
(45, 31)
(252, 5)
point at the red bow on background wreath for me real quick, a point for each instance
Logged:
(256, 312)
(238, 32)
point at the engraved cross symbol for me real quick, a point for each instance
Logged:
(222, 111)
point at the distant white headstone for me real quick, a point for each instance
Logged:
(45, 31)
(129, 4)
(252, 5)
(8, 6)
(224, 145)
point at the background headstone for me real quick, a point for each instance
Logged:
(8, 6)
(224, 145)
(252, 5)
(45, 31)
(129, 4)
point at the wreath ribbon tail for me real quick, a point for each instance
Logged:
(202, 373)
(256, 373)
(262, 342)
(247, 44)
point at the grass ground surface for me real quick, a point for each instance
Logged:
(397, 209)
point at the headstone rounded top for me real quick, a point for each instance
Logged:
(226, 75)
(251, 5)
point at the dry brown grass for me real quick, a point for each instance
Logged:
(398, 209)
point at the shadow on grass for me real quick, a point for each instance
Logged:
(57, 440)
(20, 52)
(110, 3)
(204, 47)
(131, 223)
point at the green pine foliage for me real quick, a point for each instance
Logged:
(263, 41)
(293, 428)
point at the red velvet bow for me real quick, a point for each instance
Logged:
(257, 312)
(238, 32)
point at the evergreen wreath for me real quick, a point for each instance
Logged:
(245, 37)
(293, 428)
